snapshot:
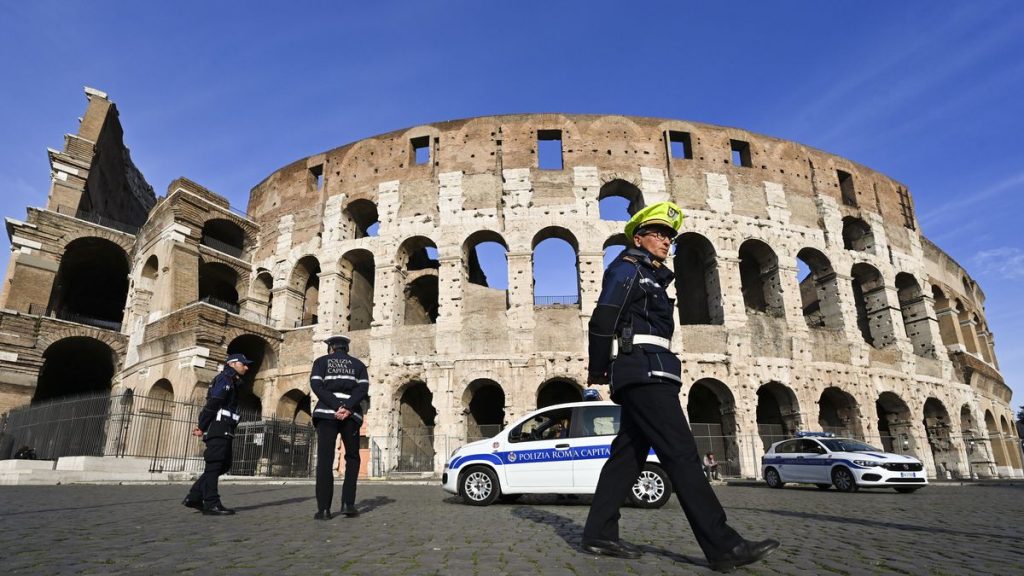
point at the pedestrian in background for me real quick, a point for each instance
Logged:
(341, 385)
(217, 422)
(630, 335)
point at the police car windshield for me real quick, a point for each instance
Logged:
(847, 445)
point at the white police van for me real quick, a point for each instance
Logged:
(554, 450)
(819, 458)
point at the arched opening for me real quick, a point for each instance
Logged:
(263, 294)
(778, 413)
(485, 260)
(948, 328)
(916, 323)
(895, 423)
(698, 289)
(857, 235)
(224, 236)
(967, 326)
(839, 413)
(262, 355)
(155, 420)
(995, 441)
(305, 286)
(217, 286)
(872, 306)
(150, 271)
(711, 409)
(91, 286)
(362, 217)
(619, 200)
(416, 415)
(1012, 445)
(759, 279)
(556, 279)
(937, 427)
(357, 282)
(484, 402)
(558, 391)
(613, 247)
(819, 290)
(417, 256)
(294, 406)
(74, 366)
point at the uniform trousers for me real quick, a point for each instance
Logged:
(327, 431)
(653, 417)
(218, 461)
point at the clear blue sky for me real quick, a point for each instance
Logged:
(928, 92)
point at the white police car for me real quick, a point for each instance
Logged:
(559, 449)
(847, 464)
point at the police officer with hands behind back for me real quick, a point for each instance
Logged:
(630, 335)
(341, 385)
(217, 422)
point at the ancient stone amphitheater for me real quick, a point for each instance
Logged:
(807, 297)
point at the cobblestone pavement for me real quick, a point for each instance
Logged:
(420, 530)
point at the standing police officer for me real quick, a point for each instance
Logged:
(341, 385)
(217, 422)
(630, 333)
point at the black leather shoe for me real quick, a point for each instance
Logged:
(349, 510)
(323, 515)
(746, 552)
(217, 509)
(189, 503)
(614, 548)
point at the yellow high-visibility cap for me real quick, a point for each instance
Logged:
(661, 214)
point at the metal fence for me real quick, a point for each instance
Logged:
(157, 428)
(573, 300)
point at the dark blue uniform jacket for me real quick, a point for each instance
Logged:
(339, 380)
(633, 294)
(219, 416)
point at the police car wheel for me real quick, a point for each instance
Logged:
(772, 478)
(479, 486)
(652, 488)
(843, 480)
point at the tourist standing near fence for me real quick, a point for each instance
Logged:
(217, 422)
(630, 334)
(341, 385)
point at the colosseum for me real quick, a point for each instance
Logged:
(807, 297)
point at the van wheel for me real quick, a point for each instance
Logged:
(772, 478)
(843, 480)
(479, 486)
(652, 488)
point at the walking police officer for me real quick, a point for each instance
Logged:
(217, 422)
(630, 335)
(341, 386)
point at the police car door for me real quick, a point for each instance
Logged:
(799, 464)
(596, 427)
(538, 452)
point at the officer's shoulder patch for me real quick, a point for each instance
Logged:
(631, 259)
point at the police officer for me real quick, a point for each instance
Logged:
(341, 386)
(630, 334)
(217, 422)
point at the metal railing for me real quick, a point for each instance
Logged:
(573, 300)
(229, 306)
(89, 320)
(221, 246)
(98, 219)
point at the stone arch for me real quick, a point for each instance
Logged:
(949, 329)
(938, 428)
(262, 293)
(294, 406)
(916, 322)
(839, 413)
(484, 406)
(613, 246)
(711, 410)
(558, 390)
(759, 279)
(857, 235)
(778, 413)
(255, 348)
(416, 420)
(895, 422)
(150, 272)
(552, 237)
(224, 236)
(471, 264)
(75, 366)
(819, 291)
(91, 284)
(872, 305)
(304, 292)
(995, 439)
(618, 197)
(417, 258)
(698, 288)
(358, 273)
(218, 285)
(363, 218)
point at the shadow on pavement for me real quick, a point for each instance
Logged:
(365, 506)
(572, 533)
(284, 502)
